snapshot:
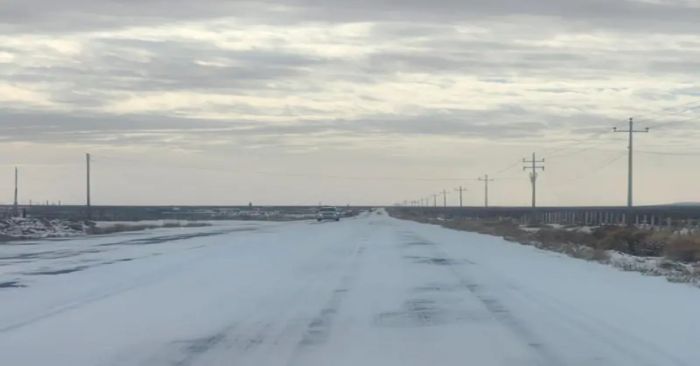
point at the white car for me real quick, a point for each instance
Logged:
(328, 213)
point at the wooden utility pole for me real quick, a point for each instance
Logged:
(533, 175)
(16, 204)
(486, 181)
(460, 190)
(631, 131)
(89, 203)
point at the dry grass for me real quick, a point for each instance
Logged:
(684, 248)
(504, 228)
(549, 235)
(592, 246)
(622, 239)
(118, 228)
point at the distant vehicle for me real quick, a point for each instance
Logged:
(328, 213)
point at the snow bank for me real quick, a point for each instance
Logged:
(34, 228)
(37, 228)
(657, 266)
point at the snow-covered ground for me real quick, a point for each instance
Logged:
(371, 290)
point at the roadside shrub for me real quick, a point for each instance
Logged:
(684, 249)
(491, 227)
(117, 228)
(622, 239)
(579, 244)
(600, 255)
(551, 236)
(171, 225)
(654, 244)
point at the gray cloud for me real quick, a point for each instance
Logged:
(504, 42)
(110, 63)
(505, 124)
(76, 15)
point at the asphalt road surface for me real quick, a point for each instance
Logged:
(370, 290)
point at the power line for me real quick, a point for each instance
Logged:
(690, 105)
(595, 170)
(669, 153)
(578, 150)
(675, 122)
(509, 167)
(575, 144)
(303, 175)
(386, 178)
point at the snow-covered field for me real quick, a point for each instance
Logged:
(371, 290)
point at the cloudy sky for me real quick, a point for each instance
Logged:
(307, 101)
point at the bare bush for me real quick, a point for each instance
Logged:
(684, 248)
(117, 228)
(592, 246)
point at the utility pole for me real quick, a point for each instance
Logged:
(444, 198)
(631, 132)
(533, 175)
(16, 205)
(89, 204)
(460, 190)
(435, 200)
(486, 181)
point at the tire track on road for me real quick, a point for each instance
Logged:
(493, 306)
(587, 329)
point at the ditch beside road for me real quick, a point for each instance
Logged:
(673, 254)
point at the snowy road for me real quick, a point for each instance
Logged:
(365, 291)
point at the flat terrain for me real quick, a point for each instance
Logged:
(370, 290)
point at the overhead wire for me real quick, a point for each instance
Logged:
(303, 175)
(668, 153)
(570, 148)
(597, 169)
